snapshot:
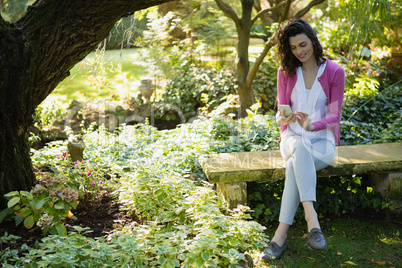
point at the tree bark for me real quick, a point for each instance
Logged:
(246, 96)
(36, 54)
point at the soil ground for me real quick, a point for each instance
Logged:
(100, 219)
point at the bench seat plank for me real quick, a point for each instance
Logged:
(269, 165)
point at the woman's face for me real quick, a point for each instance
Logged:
(302, 47)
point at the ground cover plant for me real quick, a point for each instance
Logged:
(149, 172)
(174, 217)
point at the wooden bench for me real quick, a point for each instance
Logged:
(231, 171)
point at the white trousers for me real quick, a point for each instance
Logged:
(303, 158)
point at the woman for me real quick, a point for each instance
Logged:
(313, 87)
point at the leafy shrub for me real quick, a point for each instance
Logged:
(264, 198)
(56, 193)
(193, 216)
(87, 178)
(46, 115)
(46, 205)
(255, 132)
(154, 170)
(345, 195)
(9, 254)
(371, 114)
(336, 196)
(188, 88)
(264, 85)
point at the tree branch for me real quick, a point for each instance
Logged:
(303, 11)
(264, 11)
(229, 12)
(253, 70)
(285, 12)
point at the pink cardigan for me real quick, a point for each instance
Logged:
(333, 83)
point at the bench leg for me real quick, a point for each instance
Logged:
(389, 185)
(234, 193)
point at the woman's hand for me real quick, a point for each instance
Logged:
(304, 121)
(284, 120)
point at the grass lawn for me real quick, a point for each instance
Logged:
(351, 242)
(101, 77)
(117, 73)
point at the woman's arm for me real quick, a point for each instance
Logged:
(281, 96)
(336, 102)
(281, 87)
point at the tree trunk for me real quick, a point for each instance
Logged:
(246, 95)
(36, 54)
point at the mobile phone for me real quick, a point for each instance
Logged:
(286, 108)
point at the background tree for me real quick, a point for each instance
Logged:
(245, 74)
(36, 54)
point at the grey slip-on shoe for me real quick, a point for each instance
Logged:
(316, 239)
(273, 252)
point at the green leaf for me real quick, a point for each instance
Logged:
(23, 213)
(18, 220)
(59, 205)
(205, 256)
(233, 241)
(13, 201)
(85, 264)
(138, 261)
(40, 204)
(27, 194)
(14, 193)
(55, 170)
(29, 222)
(162, 260)
(61, 229)
(200, 262)
(4, 213)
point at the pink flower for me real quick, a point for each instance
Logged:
(89, 174)
(93, 183)
(100, 182)
(81, 172)
(58, 157)
(76, 162)
(64, 154)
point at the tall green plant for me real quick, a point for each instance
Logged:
(347, 27)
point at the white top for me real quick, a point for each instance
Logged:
(312, 101)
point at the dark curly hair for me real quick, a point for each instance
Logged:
(289, 62)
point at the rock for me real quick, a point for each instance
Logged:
(110, 121)
(230, 106)
(194, 118)
(81, 115)
(134, 119)
(76, 150)
(76, 104)
(248, 263)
